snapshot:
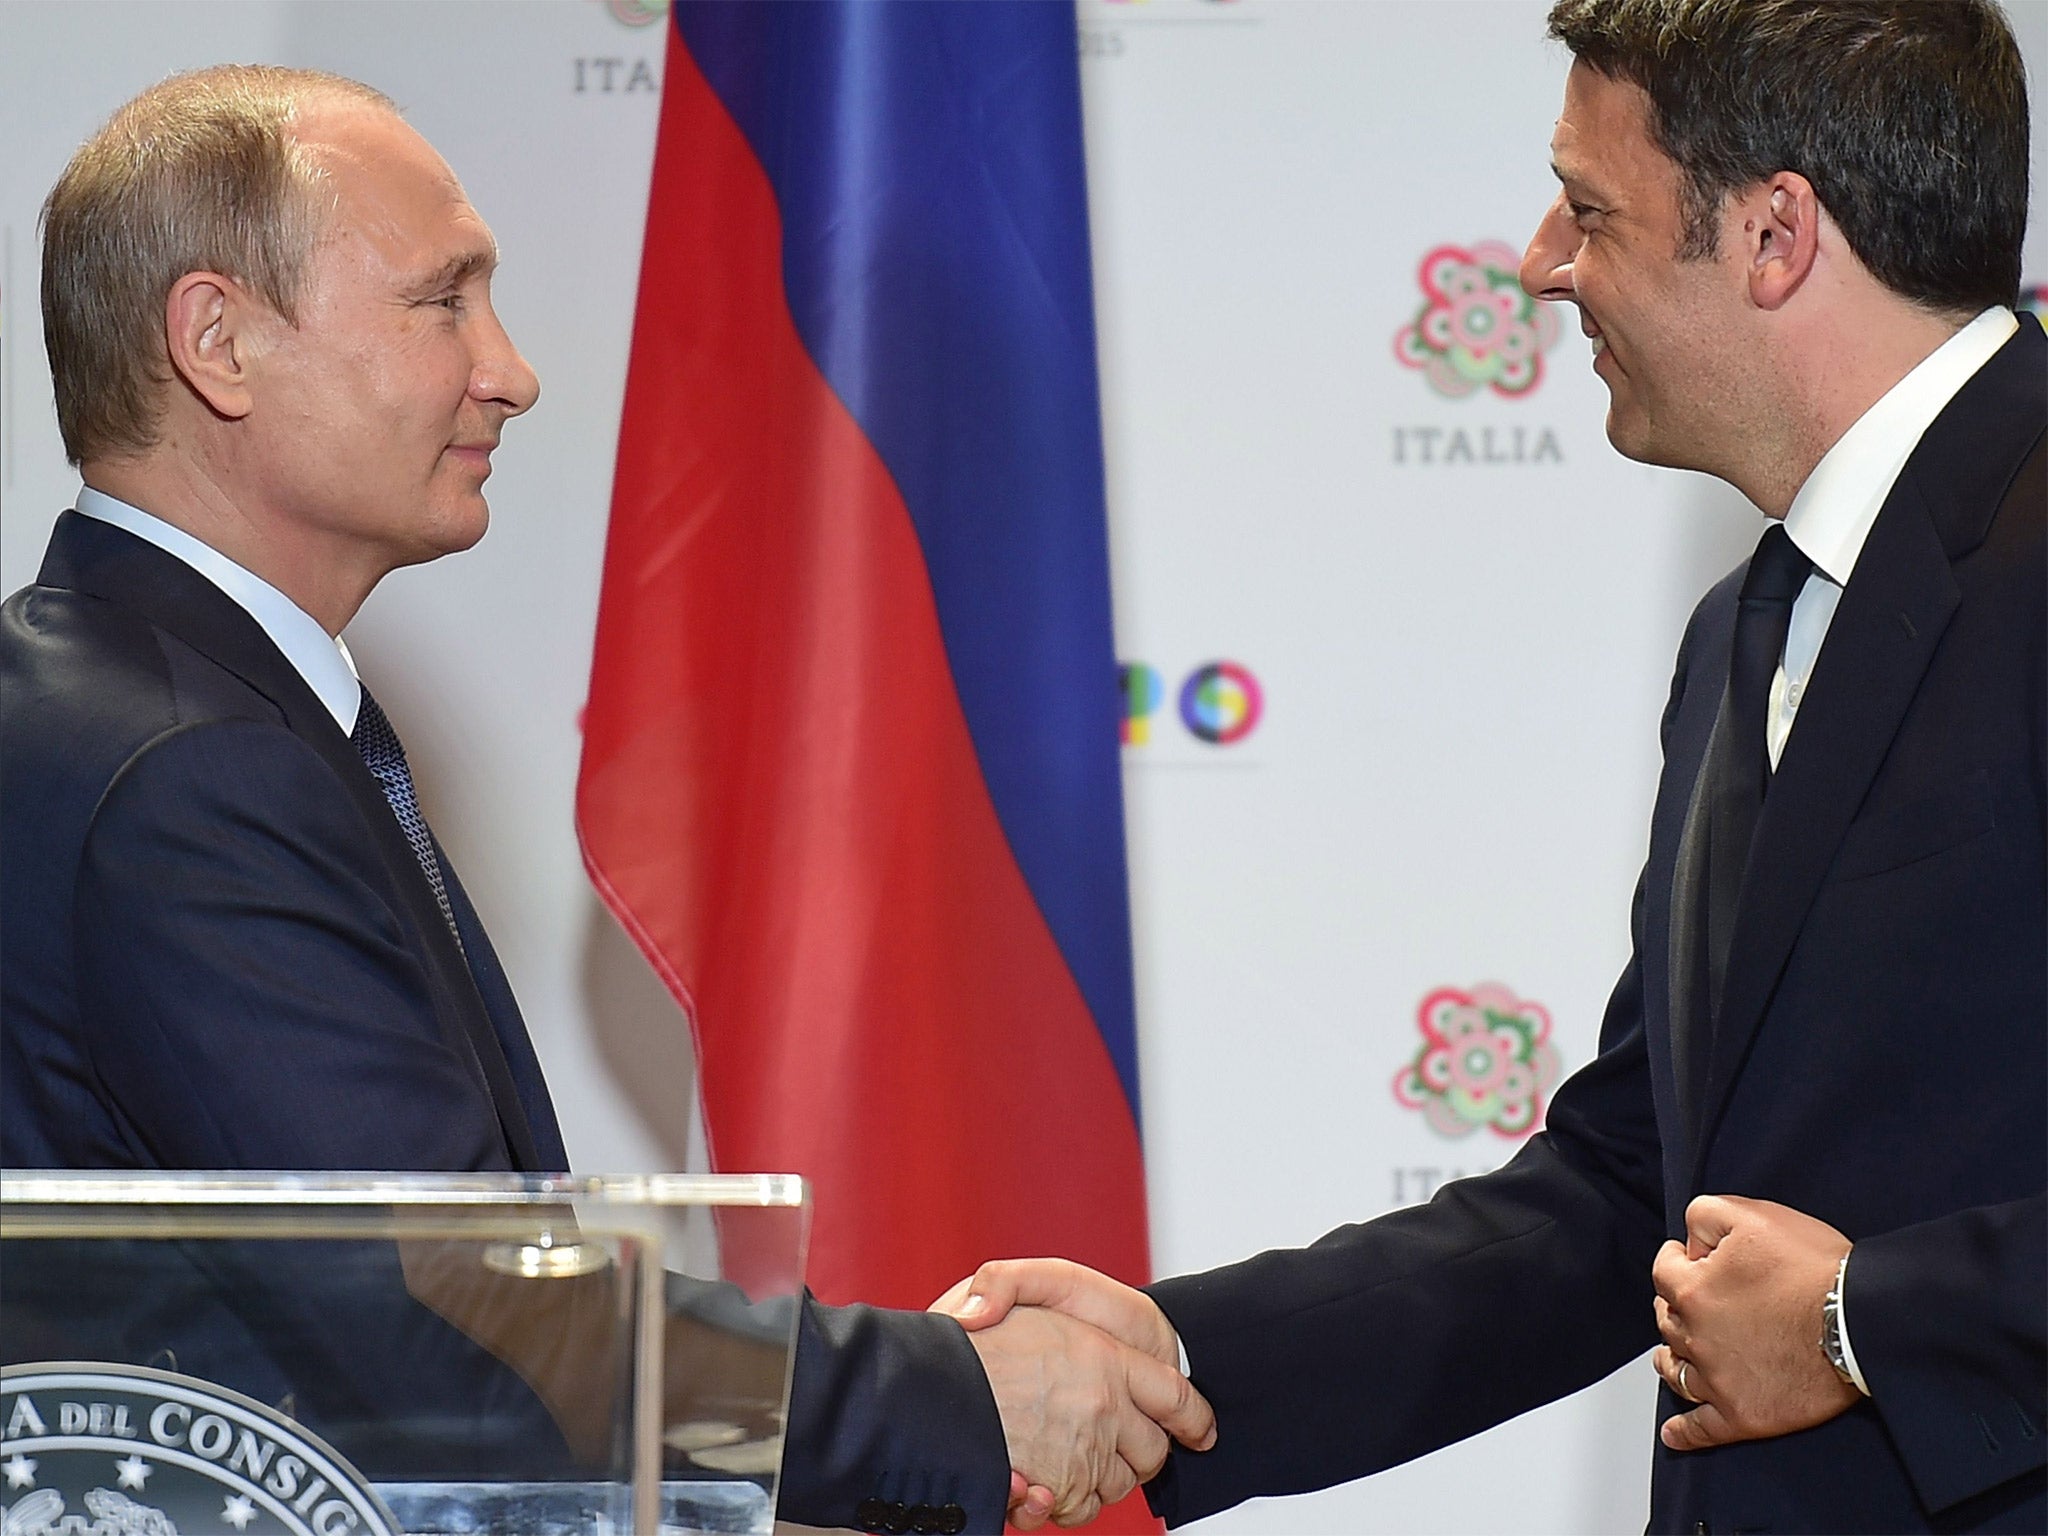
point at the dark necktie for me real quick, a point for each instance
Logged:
(1763, 613)
(378, 744)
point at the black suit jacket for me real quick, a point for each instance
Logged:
(1880, 1065)
(218, 951)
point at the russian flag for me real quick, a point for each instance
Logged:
(850, 773)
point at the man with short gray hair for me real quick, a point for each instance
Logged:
(228, 939)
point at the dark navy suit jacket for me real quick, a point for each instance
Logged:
(1880, 1065)
(217, 951)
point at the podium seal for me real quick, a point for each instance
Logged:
(91, 1449)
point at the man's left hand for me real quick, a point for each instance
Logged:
(1739, 1305)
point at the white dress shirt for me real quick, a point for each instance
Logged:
(318, 657)
(1831, 516)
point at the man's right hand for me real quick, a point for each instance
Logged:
(985, 1298)
(1086, 1376)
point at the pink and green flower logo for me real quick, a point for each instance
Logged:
(1486, 1060)
(1477, 329)
(638, 13)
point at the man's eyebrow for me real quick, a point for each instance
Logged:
(457, 268)
(1575, 182)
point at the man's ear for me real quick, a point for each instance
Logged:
(212, 331)
(1781, 218)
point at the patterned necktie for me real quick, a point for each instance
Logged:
(1763, 614)
(378, 745)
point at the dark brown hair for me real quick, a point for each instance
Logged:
(1908, 116)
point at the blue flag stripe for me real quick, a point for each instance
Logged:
(927, 160)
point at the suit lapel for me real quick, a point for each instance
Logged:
(1879, 643)
(1893, 612)
(94, 557)
(528, 1082)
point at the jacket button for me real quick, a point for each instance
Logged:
(869, 1515)
(924, 1520)
(898, 1519)
(952, 1520)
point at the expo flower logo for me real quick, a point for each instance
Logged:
(1486, 1059)
(1477, 329)
(638, 13)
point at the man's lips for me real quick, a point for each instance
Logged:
(475, 454)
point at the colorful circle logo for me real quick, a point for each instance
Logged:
(1221, 703)
(1142, 690)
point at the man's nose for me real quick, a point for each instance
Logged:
(1547, 263)
(503, 375)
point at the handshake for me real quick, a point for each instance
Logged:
(1086, 1371)
(1086, 1375)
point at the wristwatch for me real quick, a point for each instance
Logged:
(1831, 1327)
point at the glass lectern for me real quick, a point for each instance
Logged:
(393, 1355)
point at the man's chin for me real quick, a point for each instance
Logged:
(471, 534)
(1637, 442)
(1629, 435)
(466, 522)
(452, 534)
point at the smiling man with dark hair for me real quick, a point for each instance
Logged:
(1807, 1164)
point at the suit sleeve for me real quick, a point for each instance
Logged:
(1389, 1339)
(248, 996)
(1386, 1340)
(895, 1407)
(1948, 1318)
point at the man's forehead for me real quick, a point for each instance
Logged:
(394, 191)
(367, 146)
(1603, 130)
(1569, 161)
(1573, 169)
(330, 126)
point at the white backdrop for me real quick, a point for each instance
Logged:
(1458, 613)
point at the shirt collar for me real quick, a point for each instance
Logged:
(318, 657)
(1832, 514)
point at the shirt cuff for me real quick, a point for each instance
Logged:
(1841, 1327)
